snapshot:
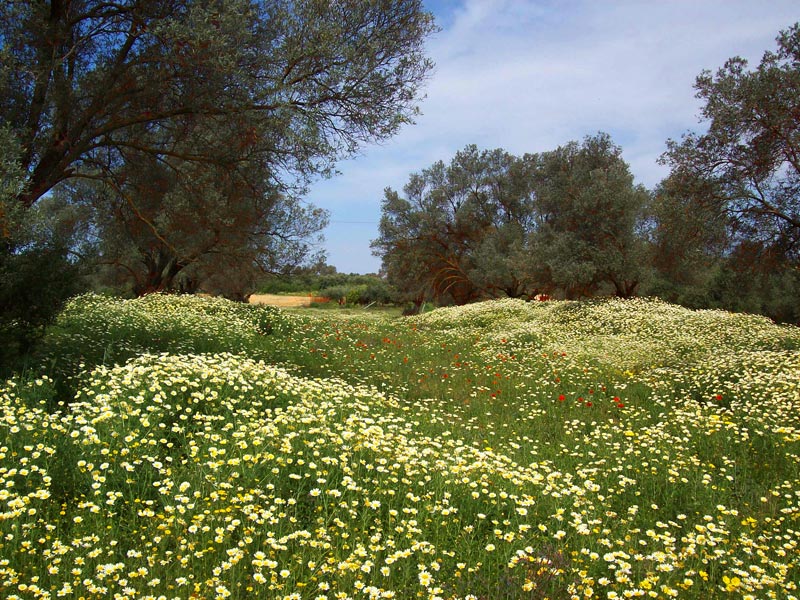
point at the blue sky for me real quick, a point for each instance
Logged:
(530, 75)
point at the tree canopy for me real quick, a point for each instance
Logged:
(726, 222)
(490, 224)
(721, 231)
(746, 166)
(85, 83)
(590, 211)
(191, 127)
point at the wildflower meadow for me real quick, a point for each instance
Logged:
(186, 447)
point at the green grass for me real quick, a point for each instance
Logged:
(333, 308)
(184, 447)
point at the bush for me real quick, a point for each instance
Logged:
(355, 289)
(95, 330)
(335, 293)
(34, 285)
(355, 294)
(380, 292)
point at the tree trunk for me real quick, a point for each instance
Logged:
(161, 271)
(624, 289)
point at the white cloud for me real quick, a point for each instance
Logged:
(528, 76)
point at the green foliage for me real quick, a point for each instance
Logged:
(493, 225)
(34, 284)
(337, 292)
(738, 286)
(11, 174)
(217, 231)
(191, 129)
(38, 273)
(356, 289)
(376, 291)
(455, 235)
(747, 160)
(590, 212)
(301, 82)
(686, 241)
(726, 223)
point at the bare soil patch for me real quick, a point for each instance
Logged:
(284, 301)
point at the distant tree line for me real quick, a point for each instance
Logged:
(323, 280)
(722, 230)
(159, 145)
(490, 224)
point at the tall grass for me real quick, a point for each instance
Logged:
(501, 450)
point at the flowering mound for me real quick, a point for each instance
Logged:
(95, 329)
(501, 450)
(240, 477)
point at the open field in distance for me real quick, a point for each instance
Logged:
(284, 301)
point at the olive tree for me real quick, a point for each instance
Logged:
(196, 125)
(747, 164)
(84, 82)
(490, 224)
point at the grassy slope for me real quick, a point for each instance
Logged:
(504, 449)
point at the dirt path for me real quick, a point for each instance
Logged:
(284, 301)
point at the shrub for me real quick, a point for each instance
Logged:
(35, 283)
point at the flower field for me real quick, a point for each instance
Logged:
(182, 447)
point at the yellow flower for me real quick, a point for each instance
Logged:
(731, 583)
